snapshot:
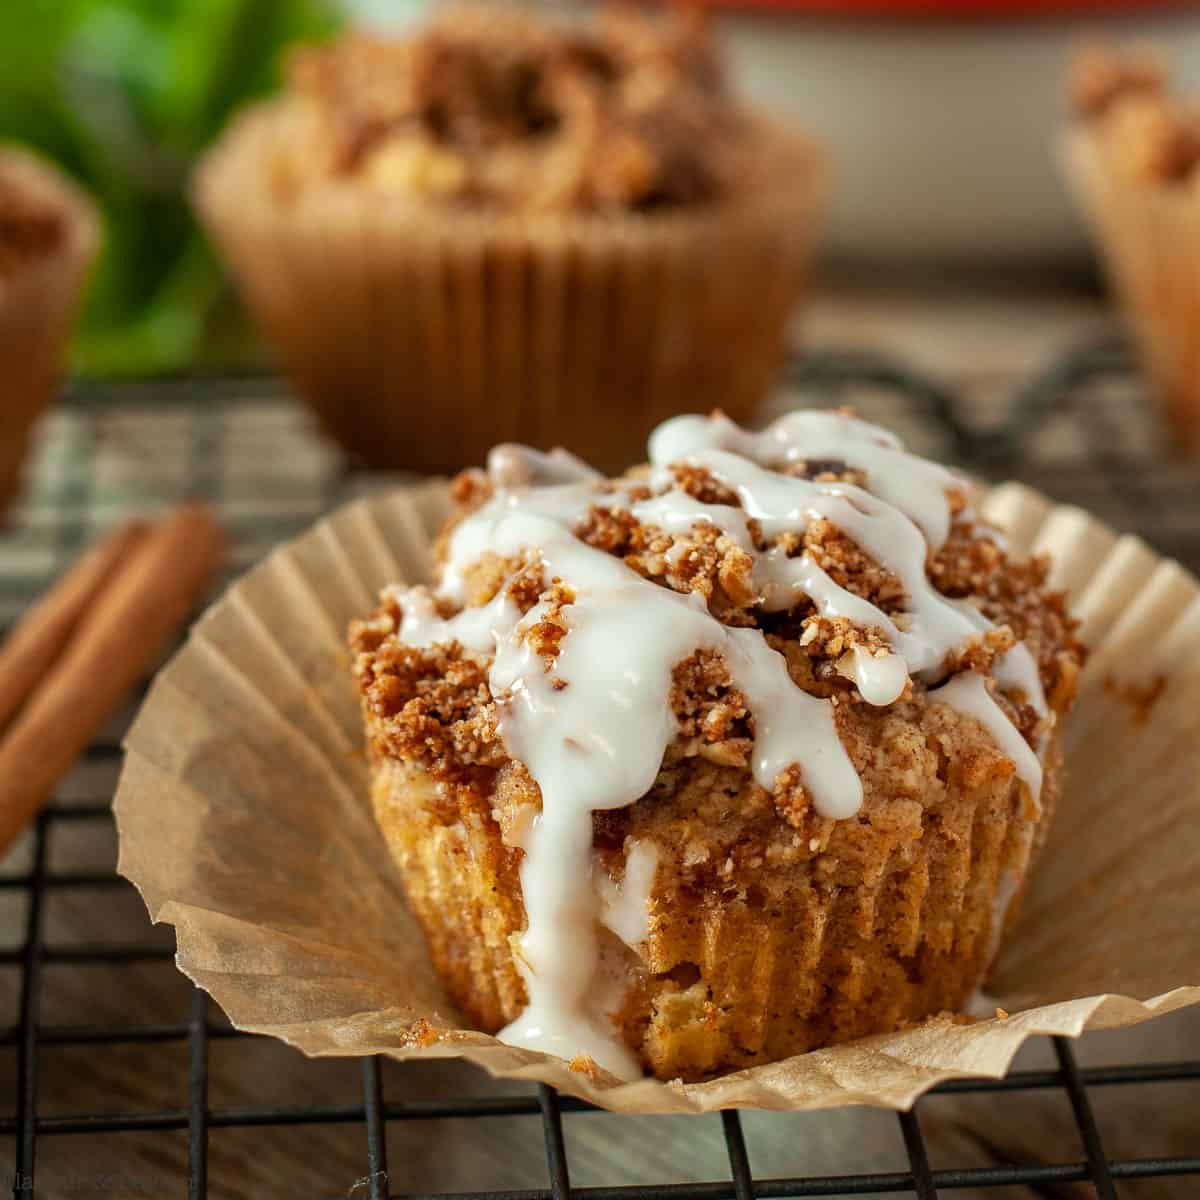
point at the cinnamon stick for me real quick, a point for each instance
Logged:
(43, 632)
(148, 597)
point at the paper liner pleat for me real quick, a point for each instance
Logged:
(283, 584)
(1079, 545)
(244, 821)
(410, 522)
(210, 673)
(1163, 595)
(1116, 580)
(237, 626)
(1148, 234)
(355, 536)
(422, 337)
(221, 880)
(371, 546)
(1019, 511)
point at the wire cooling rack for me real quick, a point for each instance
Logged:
(1079, 429)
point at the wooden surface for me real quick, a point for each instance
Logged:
(981, 343)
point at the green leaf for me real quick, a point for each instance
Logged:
(125, 94)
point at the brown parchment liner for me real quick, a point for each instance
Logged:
(244, 821)
(422, 336)
(38, 302)
(1149, 238)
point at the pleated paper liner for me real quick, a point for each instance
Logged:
(245, 822)
(423, 337)
(37, 310)
(1149, 238)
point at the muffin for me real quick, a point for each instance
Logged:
(742, 753)
(507, 229)
(1131, 156)
(48, 238)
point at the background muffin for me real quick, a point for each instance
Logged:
(1131, 155)
(501, 229)
(48, 238)
(742, 923)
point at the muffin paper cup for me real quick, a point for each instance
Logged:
(1149, 238)
(37, 311)
(245, 821)
(422, 337)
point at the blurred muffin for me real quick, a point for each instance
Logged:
(720, 761)
(48, 238)
(1131, 156)
(502, 229)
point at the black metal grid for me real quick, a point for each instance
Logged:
(1105, 461)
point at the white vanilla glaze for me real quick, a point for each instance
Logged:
(677, 512)
(968, 694)
(510, 465)
(1016, 672)
(914, 485)
(475, 628)
(782, 504)
(592, 723)
(625, 906)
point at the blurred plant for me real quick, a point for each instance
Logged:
(124, 94)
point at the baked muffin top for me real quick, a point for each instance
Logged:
(1148, 133)
(491, 109)
(820, 542)
(31, 227)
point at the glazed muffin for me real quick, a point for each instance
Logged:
(737, 755)
(48, 238)
(1133, 158)
(507, 229)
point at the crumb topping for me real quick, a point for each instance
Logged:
(435, 709)
(492, 108)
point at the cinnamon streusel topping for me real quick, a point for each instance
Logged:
(491, 108)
